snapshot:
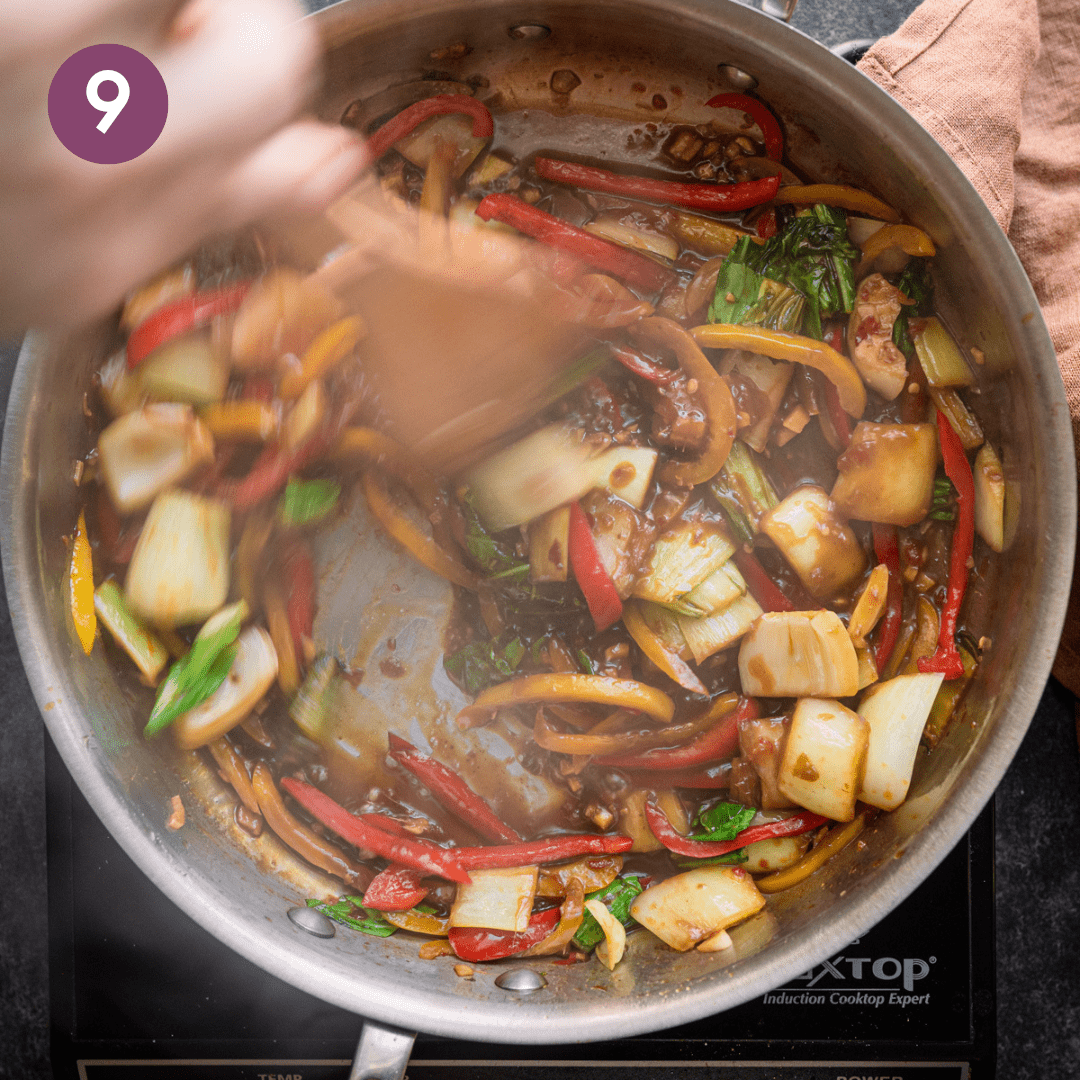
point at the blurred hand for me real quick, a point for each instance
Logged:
(75, 236)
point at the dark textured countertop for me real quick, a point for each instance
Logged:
(1038, 816)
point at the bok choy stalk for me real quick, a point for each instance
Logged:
(140, 643)
(179, 572)
(682, 558)
(793, 280)
(743, 491)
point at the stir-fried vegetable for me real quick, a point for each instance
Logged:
(705, 603)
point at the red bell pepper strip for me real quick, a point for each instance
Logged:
(763, 117)
(887, 551)
(397, 888)
(476, 944)
(720, 741)
(762, 587)
(717, 197)
(188, 313)
(440, 105)
(271, 471)
(450, 790)
(766, 225)
(417, 854)
(602, 254)
(300, 593)
(663, 830)
(531, 852)
(595, 582)
(947, 658)
(388, 825)
(641, 365)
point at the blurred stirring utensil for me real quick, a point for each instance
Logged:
(467, 336)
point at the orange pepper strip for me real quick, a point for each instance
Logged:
(714, 392)
(836, 839)
(406, 533)
(847, 198)
(592, 688)
(249, 420)
(81, 587)
(907, 238)
(375, 448)
(418, 922)
(329, 348)
(795, 348)
(669, 663)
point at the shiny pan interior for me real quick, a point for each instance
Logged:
(838, 125)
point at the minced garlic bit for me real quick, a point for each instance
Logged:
(176, 820)
(978, 355)
(985, 643)
(463, 971)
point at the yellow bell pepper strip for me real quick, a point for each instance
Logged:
(418, 922)
(597, 689)
(622, 742)
(907, 238)
(671, 664)
(836, 839)
(248, 420)
(329, 348)
(847, 198)
(780, 345)
(81, 587)
(405, 532)
(714, 393)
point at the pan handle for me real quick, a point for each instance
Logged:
(382, 1053)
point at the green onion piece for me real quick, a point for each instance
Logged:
(194, 677)
(307, 501)
(140, 643)
(370, 922)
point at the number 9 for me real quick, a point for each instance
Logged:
(111, 109)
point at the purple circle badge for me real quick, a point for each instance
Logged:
(108, 104)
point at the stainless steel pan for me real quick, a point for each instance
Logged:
(838, 125)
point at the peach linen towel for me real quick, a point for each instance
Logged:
(997, 83)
